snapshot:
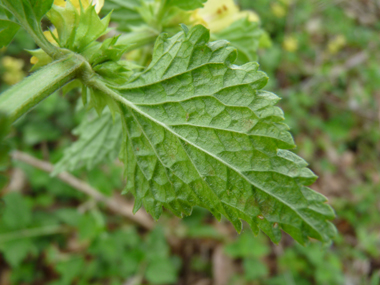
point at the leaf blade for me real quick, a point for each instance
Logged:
(202, 132)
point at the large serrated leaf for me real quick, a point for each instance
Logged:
(200, 131)
(99, 141)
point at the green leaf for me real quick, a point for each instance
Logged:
(16, 251)
(17, 214)
(186, 4)
(31, 11)
(247, 246)
(124, 13)
(28, 14)
(245, 36)
(254, 269)
(161, 271)
(77, 31)
(200, 131)
(69, 269)
(8, 30)
(99, 141)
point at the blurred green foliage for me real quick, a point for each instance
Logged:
(324, 62)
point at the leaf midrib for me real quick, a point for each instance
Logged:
(121, 99)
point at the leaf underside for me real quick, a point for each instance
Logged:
(99, 141)
(200, 131)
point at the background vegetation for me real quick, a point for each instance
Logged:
(323, 61)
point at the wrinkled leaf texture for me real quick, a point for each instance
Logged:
(99, 142)
(201, 131)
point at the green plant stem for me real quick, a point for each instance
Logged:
(138, 38)
(37, 34)
(22, 97)
(34, 232)
(161, 11)
(19, 99)
(41, 41)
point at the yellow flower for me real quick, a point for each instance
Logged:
(336, 44)
(11, 63)
(13, 70)
(217, 15)
(290, 44)
(50, 38)
(85, 3)
(278, 10)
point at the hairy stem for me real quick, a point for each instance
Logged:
(43, 43)
(22, 97)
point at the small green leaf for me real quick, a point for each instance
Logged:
(200, 131)
(16, 251)
(31, 11)
(77, 31)
(70, 269)
(8, 30)
(124, 13)
(161, 271)
(17, 214)
(28, 14)
(90, 28)
(254, 269)
(99, 141)
(245, 36)
(247, 246)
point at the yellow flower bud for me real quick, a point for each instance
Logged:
(11, 63)
(336, 44)
(278, 10)
(49, 36)
(13, 70)
(61, 3)
(33, 59)
(85, 3)
(290, 44)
